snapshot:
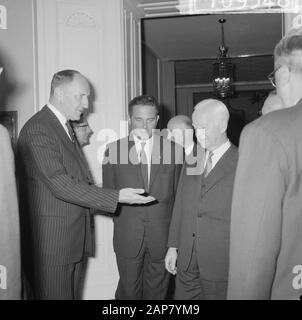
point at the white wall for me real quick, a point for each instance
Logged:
(101, 40)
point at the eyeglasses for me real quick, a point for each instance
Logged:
(271, 77)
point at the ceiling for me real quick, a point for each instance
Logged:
(199, 36)
(172, 36)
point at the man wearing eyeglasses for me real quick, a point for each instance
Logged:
(266, 220)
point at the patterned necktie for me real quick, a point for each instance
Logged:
(209, 164)
(70, 131)
(144, 166)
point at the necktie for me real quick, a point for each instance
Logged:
(209, 164)
(144, 166)
(70, 131)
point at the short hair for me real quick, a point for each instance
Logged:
(62, 77)
(144, 100)
(289, 49)
(82, 122)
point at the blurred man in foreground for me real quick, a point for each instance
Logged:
(266, 221)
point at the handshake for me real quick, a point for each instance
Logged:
(134, 196)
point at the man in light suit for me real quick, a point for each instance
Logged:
(199, 231)
(143, 160)
(10, 270)
(272, 103)
(266, 222)
(58, 196)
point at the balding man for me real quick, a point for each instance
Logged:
(181, 131)
(199, 231)
(272, 103)
(58, 196)
(266, 224)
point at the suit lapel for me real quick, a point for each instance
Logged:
(56, 125)
(75, 149)
(223, 167)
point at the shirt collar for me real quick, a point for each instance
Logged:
(138, 142)
(58, 114)
(222, 149)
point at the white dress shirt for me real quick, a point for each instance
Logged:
(60, 117)
(218, 153)
(189, 149)
(148, 150)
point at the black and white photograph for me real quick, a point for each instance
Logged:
(151, 153)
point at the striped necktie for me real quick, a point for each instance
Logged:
(70, 131)
(209, 164)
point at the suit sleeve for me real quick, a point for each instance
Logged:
(108, 171)
(176, 214)
(256, 214)
(40, 149)
(179, 160)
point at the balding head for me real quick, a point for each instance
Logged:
(179, 122)
(181, 130)
(210, 120)
(272, 102)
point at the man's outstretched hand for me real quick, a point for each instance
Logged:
(133, 196)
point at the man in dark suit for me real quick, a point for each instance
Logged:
(57, 193)
(142, 160)
(266, 221)
(199, 231)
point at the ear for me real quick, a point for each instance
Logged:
(58, 93)
(223, 125)
(129, 120)
(284, 76)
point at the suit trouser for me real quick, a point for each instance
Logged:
(142, 277)
(58, 282)
(191, 286)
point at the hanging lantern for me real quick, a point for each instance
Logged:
(223, 71)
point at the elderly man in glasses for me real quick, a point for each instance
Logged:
(266, 219)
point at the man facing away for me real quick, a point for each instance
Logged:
(266, 223)
(143, 159)
(199, 232)
(58, 194)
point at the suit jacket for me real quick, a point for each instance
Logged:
(57, 193)
(266, 228)
(201, 213)
(133, 223)
(10, 283)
